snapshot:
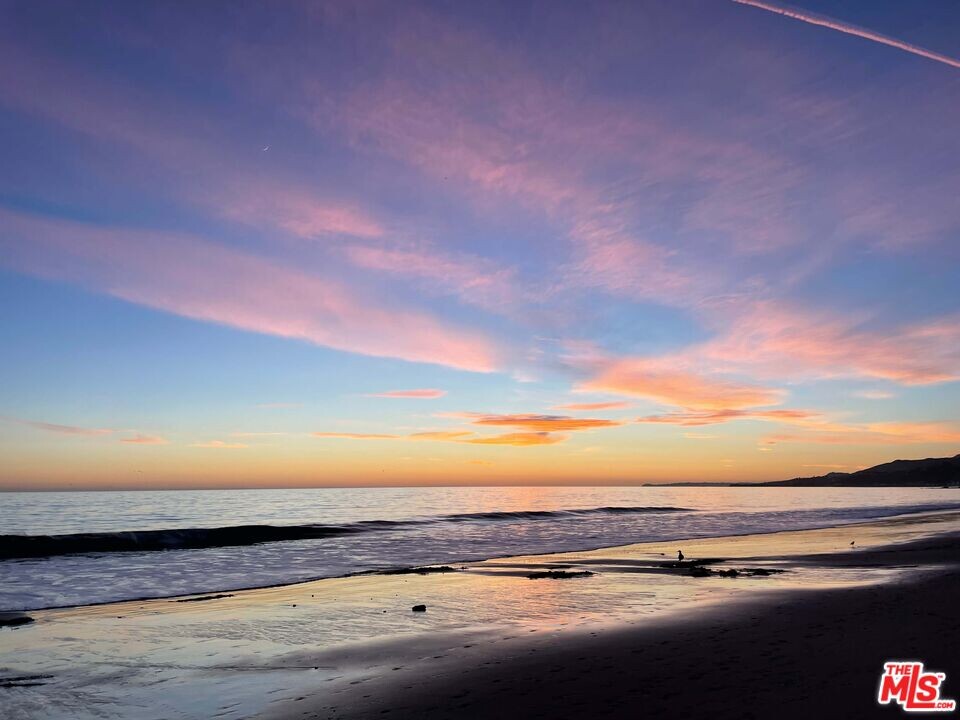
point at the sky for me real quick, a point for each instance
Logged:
(324, 244)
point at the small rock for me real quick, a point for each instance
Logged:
(558, 575)
(419, 608)
(14, 619)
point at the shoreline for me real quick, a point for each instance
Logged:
(295, 650)
(910, 516)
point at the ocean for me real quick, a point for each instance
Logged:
(75, 548)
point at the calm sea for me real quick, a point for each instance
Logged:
(86, 547)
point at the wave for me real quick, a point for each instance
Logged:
(15, 547)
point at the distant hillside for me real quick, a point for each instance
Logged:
(932, 472)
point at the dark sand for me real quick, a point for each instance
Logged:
(801, 654)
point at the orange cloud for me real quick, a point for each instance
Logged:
(461, 436)
(440, 435)
(611, 405)
(546, 423)
(139, 439)
(205, 281)
(423, 393)
(722, 416)
(520, 438)
(654, 380)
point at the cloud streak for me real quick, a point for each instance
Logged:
(140, 439)
(609, 405)
(849, 29)
(545, 423)
(417, 394)
(62, 429)
(198, 279)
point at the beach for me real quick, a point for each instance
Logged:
(803, 627)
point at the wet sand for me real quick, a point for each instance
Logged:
(800, 654)
(638, 637)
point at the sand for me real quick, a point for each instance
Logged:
(805, 654)
(636, 638)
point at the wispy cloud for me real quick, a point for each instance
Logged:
(295, 211)
(882, 433)
(218, 445)
(849, 29)
(694, 418)
(440, 435)
(472, 279)
(546, 423)
(874, 394)
(417, 394)
(532, 430)
(140, 439)
(192, 277)
(63, 429)
(522, 439)
(774, 339)
(608, 405)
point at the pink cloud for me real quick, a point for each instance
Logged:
(420, 394)
(609, 405)
(774, 339)
(874, 394)
(657, 380)
(63, 429)
(714, 417)
(267, 203)
(140, 439)
(201, 280)
(472, 279)
(547, 423)
(356, 436)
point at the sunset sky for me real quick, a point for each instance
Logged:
(284, 244)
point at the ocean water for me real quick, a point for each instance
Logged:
(78, 548)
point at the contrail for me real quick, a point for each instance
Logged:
(850, 30)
